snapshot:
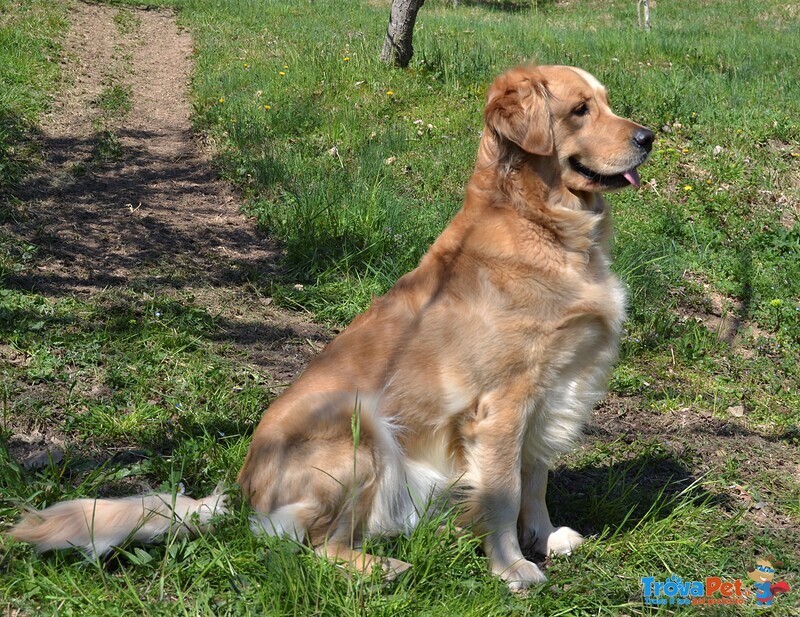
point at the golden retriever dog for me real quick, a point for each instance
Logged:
(462, 383)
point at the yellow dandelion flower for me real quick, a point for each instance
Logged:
(685, 150)
(267, 107)
(222, 99)
(688, 187)
(247, 66)
(347, 58)
(794, 154)
(389, 93)
(281, 73)
(286, 66)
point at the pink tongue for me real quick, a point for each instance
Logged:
(632, 176)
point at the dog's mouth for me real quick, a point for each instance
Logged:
(629, 177)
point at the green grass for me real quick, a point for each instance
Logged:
(115, 99)
(356, 168)
(28, 69)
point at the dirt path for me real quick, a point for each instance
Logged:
(127, 196)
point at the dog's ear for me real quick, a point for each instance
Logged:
(517, 110)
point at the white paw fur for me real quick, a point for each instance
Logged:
(561, 541)
(521, 575)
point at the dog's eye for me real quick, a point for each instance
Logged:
(581, 110)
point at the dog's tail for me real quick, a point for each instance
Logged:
(96, 525)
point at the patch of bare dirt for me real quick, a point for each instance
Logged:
(722, 315)
(157, 214)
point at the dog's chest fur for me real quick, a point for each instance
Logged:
(576, 377)
(550, 337)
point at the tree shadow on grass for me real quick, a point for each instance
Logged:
(143, 216)
(17, 153)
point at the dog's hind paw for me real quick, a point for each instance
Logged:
(392, 568)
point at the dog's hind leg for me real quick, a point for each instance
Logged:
(289, 521)
(361, 562)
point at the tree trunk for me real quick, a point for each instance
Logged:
(646, 5)
(397, 47)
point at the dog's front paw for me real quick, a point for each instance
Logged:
(521, 575)
(561, 541)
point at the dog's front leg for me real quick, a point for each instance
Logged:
(535, 529)
(495, 475)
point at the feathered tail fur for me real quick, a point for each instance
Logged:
(96, 525)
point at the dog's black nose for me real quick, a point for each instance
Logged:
(643, 138)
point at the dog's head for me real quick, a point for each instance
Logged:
(564, 112)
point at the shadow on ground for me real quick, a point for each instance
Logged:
(618, 495)
(143, 218)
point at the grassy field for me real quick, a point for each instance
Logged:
(692, 468)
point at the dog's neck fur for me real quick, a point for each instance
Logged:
(505, 167)
(515, 178)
